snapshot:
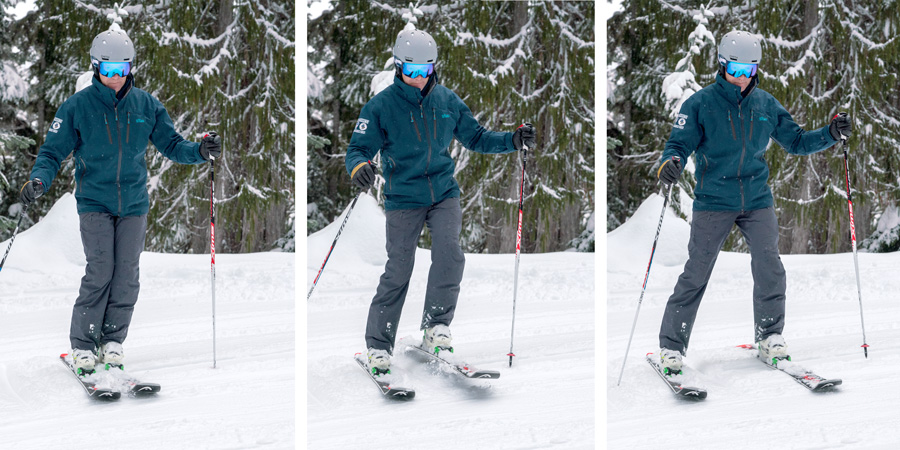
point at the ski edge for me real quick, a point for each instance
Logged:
(393, 392)
(473, 373)
(822, 384)
(680, 390)
(92, 391)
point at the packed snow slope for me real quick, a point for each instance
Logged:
(751, 406)
(546, 400)
(246, 402)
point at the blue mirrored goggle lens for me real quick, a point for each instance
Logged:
(108, 69)
(418, 70)
(740, 69)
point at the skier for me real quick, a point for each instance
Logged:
(108, 125)
(412, 123)
(728, 124)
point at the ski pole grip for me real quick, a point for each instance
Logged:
(841, 114)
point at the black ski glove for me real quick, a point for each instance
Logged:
(524, 136)
(30, 191)
(669, 170)
(211, 146)
(363, 175)
(840, 125)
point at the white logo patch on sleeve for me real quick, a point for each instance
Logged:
(680, 120)
(54, 127)
(361, 126)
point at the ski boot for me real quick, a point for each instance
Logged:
(437, 339)
(670, 361)
(379, 362)
(112, 355)
(773, 349)
(83, 362)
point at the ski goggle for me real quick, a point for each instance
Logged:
(108, 69)
(417, 70)
(737, 69)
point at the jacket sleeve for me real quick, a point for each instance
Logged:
(687, 132)
(794, 139)
(171, 144)
(475, 137)
(367, 138)
(61, 139)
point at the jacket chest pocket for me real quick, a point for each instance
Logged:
(137, 128)
(761, 127)
(443, 123)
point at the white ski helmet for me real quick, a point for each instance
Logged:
(741, 47)
(416, 47)
(112, 46)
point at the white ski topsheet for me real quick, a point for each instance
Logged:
(751, 406)
(546, 400)
(247, 402)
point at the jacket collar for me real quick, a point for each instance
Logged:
(413, 94)
(733, 93)
(108, 95)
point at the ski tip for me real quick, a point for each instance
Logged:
(63, 355)
(747, 346)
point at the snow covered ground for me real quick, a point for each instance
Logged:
(750, 406)
(246, 402)
(546, 400)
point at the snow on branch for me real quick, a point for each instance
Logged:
(564, 28)
(680, 85)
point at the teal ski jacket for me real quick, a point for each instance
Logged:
(109, 137)
(730, 133)
(413, 130)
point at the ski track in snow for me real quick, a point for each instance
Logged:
(751, 406)
(246, 402)
(546, 400)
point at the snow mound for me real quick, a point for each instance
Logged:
(629, 245)
(55, 240)
(362, 239)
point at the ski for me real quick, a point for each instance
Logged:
(805, 377)
(676, 382)
(383, 383)
(135, 387)
(463, 369)
(90, 388)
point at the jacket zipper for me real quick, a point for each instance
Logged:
(411, 119)
(751, 125)
(128, 126)
(119, 169)
(733, 134)
(391, 176)
(743, 152)
(428, 159)
(434, 114)
(108, 133)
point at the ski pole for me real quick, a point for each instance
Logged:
(15, 232)
(646, 275)
(518, 248)
(212, 245)
(333, 243)
(862, 321)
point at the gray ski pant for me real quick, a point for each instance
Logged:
(709, 229)
(109, 288)
(403, 227)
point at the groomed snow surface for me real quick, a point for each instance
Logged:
(751, 406)
(246, 402)
(546, 400)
